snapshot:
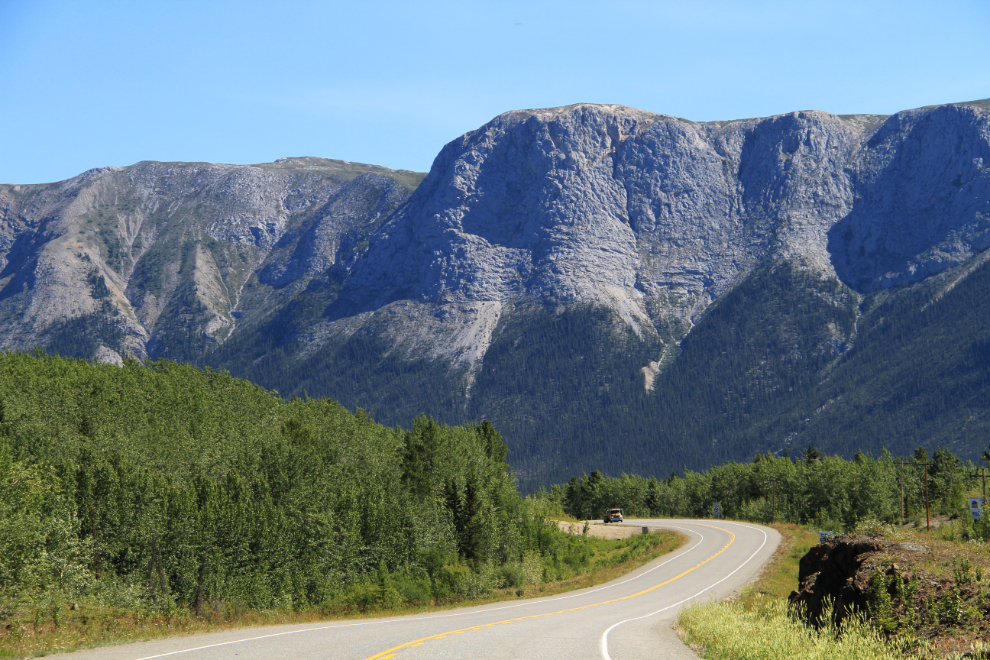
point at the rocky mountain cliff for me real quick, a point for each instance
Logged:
(171, 259)
(613, 288)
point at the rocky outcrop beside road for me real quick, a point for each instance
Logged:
(837, 573)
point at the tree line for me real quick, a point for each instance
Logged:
(828, 492)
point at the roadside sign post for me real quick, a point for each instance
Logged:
(977, 504)
(717, 510)
(825, 536)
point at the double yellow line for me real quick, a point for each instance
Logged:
(390, 653)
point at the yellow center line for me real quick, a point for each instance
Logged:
(418, 642)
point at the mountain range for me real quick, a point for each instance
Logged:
(614, 289)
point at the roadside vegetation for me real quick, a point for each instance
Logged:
(825, 492)
(940, 610)
(768, 631)
(760, 625)
(139, 501)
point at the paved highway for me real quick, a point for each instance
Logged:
(626, 619)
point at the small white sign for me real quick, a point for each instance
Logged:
(976, 507)
(825, 536)
(717, 509)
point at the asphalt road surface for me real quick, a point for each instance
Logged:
(626, 619)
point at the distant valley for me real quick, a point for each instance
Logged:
(614, 289)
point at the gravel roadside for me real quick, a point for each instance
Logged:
(601, 530)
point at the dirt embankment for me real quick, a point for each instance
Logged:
(904, 588)
(603, 531)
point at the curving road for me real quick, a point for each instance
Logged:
(626, 619)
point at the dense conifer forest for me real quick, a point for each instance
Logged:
(169, 487)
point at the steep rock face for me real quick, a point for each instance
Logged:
(648, 215)
(923, 198)
(356, 206)
(506, 212)
(655, 217)
(170, 258)
(568, 202)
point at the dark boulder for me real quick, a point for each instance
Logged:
(838, 571)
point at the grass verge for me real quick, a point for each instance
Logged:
(765, 630)
(42, 632)
(780, 576)
(758, 625)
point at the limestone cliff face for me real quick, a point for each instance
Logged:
(655, 217)
(171, 258)
(650, 216)
(922, 185)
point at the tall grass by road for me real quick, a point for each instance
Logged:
(758, 625)
(767, 631)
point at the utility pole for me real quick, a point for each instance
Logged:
(902, 492)
(773, 510)
(928, 515)
(773, 513)
(984, 471)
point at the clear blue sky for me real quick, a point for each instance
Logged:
(86, 84)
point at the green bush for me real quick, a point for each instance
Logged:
(511, 576)
(449, 582)
(950, 610)
(878, 595)
(415, 590)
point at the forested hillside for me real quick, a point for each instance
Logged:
(786, 358)
(170, 487)
(789, 359)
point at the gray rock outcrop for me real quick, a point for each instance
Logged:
(140, 251)
(655, 217)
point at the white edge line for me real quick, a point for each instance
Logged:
(439, 616)
(603, 645)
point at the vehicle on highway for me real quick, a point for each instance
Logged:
(613, 515)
